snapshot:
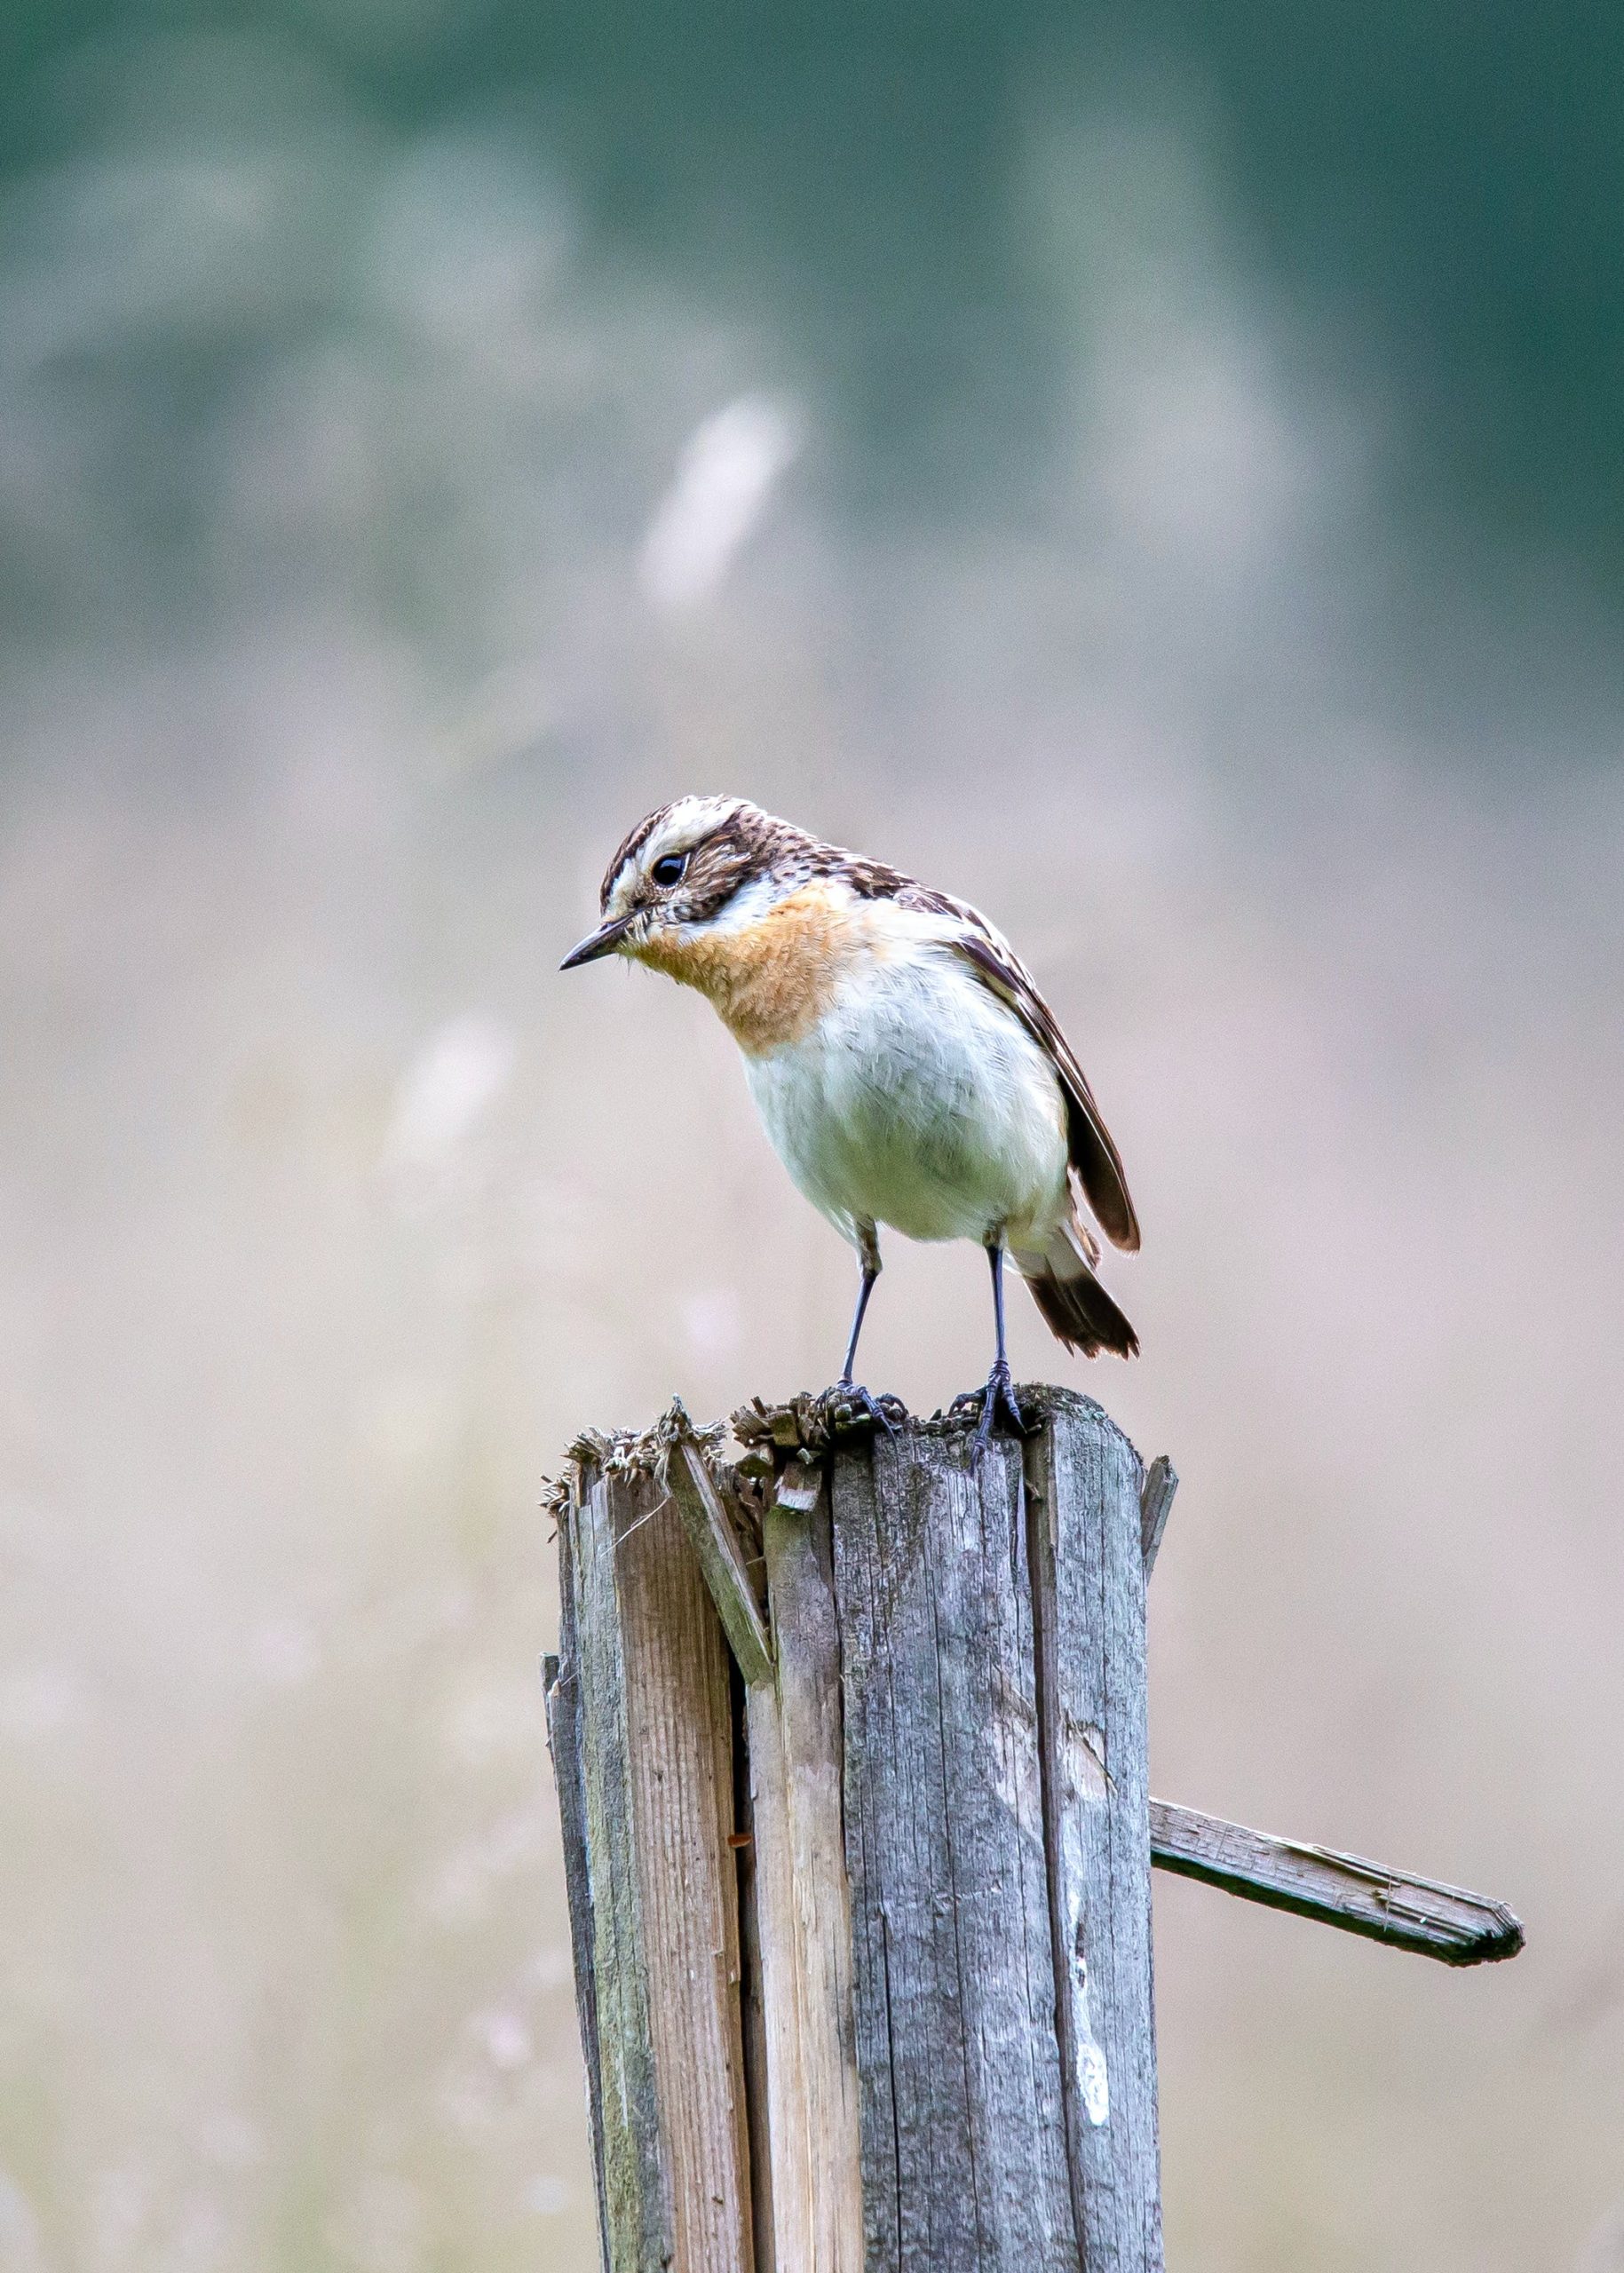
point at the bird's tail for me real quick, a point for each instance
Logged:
(1075, 1307)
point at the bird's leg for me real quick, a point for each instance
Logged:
(871, 1271)
(1000, 1389)
(868, 1255)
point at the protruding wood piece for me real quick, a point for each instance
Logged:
(1155, 1506)
(700, 1503)
(798, 1487)
(1361, 1897)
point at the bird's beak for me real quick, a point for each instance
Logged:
(603, 941)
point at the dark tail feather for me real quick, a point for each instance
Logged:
(1076, 1308)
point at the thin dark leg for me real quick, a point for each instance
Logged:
(869, 1258)
(999, 1389)
(871, 1271)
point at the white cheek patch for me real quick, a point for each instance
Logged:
(747, 906)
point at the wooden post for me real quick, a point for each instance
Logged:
(861, 1918)
(940, 2083)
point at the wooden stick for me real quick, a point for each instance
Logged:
(1361, 1897)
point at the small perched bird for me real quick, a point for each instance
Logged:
(907, 1068)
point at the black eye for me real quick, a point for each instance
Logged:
(668, 871)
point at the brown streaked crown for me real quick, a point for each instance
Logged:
(728, 842)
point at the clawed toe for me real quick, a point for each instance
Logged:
(856, 1397)
(1000, 1390)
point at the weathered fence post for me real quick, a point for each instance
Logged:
(850, 1742)
(941, 1754)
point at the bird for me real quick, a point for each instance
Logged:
(909, 1073)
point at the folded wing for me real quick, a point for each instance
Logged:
(1094, 1156)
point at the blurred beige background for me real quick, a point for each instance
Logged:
(387, 539)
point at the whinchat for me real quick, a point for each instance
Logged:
(907, 1068)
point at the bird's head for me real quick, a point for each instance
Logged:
(689, 873)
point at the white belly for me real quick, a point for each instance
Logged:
(919, 1101)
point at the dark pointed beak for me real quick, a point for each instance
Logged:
(603, 941)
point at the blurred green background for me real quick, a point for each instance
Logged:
(1156, 473)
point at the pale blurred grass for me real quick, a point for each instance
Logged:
(330, 1211)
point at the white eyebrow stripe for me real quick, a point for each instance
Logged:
(689, 821)
(684, 824)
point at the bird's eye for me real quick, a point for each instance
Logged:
(668, 871)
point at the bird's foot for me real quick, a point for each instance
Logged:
(1000, 1390)
(849, 1398)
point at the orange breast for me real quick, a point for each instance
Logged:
(773, 981)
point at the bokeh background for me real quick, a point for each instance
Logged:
(1156, 472)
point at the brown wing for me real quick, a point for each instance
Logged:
(1094, 1158)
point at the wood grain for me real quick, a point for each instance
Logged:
(964, 2146)
(655, 1724)
(782, 2177)
(816, 2150)
(637, 2222)
(1088, 1559)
